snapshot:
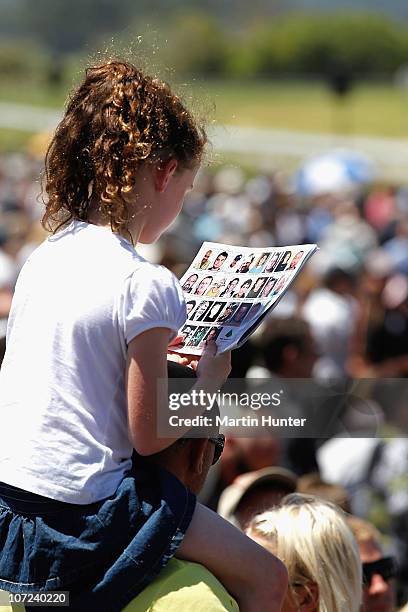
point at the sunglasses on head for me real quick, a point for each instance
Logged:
(385, 567)
(219, 442)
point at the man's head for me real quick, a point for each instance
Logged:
(378, 570)
(203, 285)
(339, 281)
(188, 284)
(219, 260)
(190, 459)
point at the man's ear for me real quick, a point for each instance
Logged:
(307, 597)
(163, 171)
(198, 454)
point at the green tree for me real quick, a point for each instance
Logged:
(365, 44)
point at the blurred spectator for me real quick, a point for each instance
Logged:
(380, 208)
(241, 455)
(287, 348)
(373, 277)
(387, 338)
(289, 352)
(331, 312)
(313, 484)
(378, 569)
(375, 474)
(346, 242)
(255, 492)
(397, 247)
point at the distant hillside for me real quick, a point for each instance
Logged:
(393, 8)
(67, 26)
(234, 9)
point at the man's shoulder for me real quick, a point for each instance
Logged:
(182, 585)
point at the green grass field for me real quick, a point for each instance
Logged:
(371, 109)
(375, 110)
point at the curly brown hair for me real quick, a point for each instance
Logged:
(116, 120)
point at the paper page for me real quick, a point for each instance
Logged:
(228, 289)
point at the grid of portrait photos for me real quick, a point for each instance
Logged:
(229, 289)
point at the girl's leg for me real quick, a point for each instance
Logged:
(251, 574)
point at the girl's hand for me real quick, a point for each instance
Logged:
(178, 342)
(186, 360)
(212, 366)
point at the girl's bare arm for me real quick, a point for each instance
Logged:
(146, 366)
(257, 579)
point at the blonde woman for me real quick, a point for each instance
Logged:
(313, 540)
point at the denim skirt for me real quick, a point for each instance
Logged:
(104, 553)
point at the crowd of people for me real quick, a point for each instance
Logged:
(353, 294)
(332, 506)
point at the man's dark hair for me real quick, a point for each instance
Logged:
(277, 335)
(335, 275)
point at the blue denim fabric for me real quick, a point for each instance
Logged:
(103, 553)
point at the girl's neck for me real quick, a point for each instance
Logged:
(130, 233)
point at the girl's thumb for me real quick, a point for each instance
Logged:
(211, 347)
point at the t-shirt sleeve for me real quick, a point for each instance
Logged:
(152, 298)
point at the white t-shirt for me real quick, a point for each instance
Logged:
(81, 297)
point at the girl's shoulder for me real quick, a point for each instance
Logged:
(152, 297)
(144, 270)
(155, 283)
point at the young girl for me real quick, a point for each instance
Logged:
(86, 366)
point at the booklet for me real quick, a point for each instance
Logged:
(230, 289)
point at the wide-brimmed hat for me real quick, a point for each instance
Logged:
(233, 495)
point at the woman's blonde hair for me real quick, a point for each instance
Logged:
(313, 540)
